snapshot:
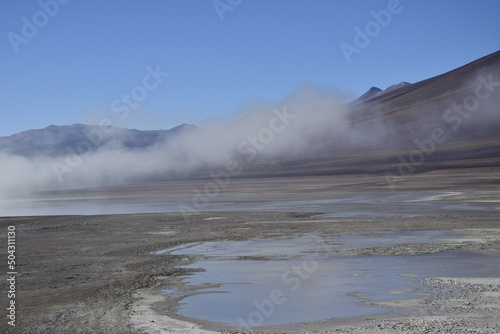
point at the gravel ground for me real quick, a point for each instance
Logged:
(97, 274)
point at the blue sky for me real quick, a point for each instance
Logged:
(85, 55)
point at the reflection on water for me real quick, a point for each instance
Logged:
(345, 204)
(311, 278)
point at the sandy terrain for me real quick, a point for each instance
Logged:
(98, 274)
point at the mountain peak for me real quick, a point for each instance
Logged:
(396, 86)
(367, 95)
(375, 92)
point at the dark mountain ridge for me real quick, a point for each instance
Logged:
(455, 116)
(58, 140)
(451, 120)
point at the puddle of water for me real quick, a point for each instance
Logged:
(302, 283)
(252, 247)
(306, 244)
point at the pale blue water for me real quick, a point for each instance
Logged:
(314, 285)
(353, 204)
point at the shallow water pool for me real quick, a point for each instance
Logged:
(305, 279)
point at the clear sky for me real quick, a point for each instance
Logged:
(73, 61)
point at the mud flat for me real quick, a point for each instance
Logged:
(101, 274)
(118, 274)
(276, 281)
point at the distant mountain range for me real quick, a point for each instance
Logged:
(57, 140)
(451, 120)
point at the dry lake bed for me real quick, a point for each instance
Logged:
(316, 255)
